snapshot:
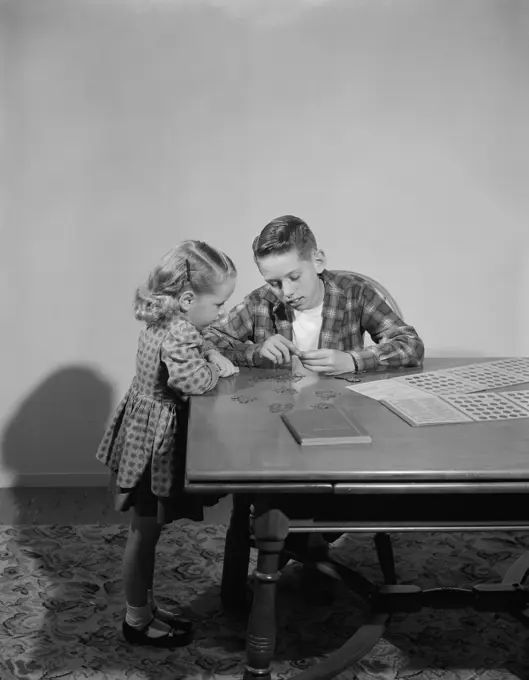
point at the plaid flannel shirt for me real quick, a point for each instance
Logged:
(351, 307)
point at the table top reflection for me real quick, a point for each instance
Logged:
(236, 435)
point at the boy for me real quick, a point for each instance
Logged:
(319, 316)
(308, 311)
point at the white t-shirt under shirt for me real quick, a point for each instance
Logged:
(306, 328)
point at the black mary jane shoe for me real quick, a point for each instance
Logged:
(177, 623)
(138, 636)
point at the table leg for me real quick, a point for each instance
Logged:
(386, 557)
(236, 556)
(517, 575)
(270, 529)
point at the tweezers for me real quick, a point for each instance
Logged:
(349, 377)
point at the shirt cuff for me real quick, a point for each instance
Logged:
(364, 361)
(254, 358)
(251, 356)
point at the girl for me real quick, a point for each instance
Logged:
(145, 444)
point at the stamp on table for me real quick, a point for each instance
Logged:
(286, 390)
(280, 408)
(326, 394)
(243, 398)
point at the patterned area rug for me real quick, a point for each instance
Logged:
(61, 608)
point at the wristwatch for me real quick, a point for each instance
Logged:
(350, 376)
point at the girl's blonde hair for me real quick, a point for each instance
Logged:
(192, 265)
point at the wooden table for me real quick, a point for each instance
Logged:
(243, 448)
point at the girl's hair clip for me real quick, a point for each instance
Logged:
(188, 270)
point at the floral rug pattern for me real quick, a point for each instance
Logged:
(61, 607)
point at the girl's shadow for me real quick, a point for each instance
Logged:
(55, 431)
(57, 428)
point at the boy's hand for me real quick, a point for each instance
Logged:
(278, 349)
(328, 361)
(225, 366)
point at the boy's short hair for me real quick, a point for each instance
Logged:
(282, 235)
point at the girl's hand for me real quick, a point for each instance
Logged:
(225, 366)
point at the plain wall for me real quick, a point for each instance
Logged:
(398, 130)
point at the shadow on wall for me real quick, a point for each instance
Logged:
(58, 427)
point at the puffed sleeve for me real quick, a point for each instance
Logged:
(182, 352)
